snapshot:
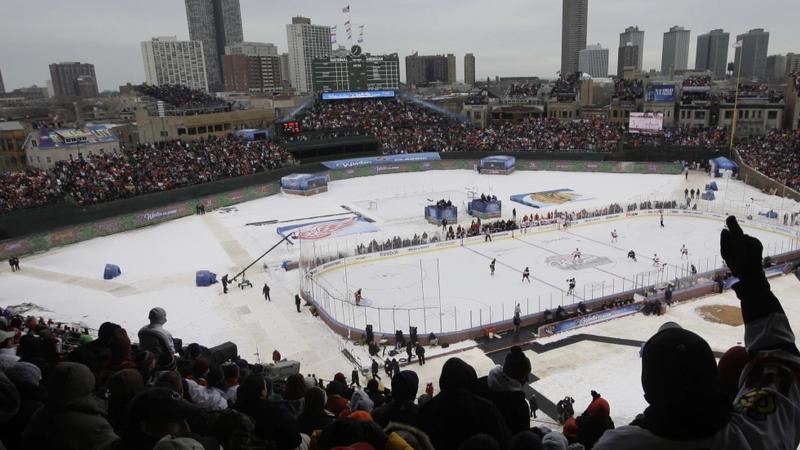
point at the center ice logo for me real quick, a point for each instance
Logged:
(570, 263)
(325, 229)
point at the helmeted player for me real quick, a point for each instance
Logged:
(656, 260)
(632, 255)
(614, 235)
(526, 275)
(491, 265)
(576, 255)
(684, 252)
(571, 284)
(358, 297)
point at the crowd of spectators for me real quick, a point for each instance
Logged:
(180, 96)
(109, 393)
(27, 189)
(162, 166)
(697, 137)
(776, 155)
(526, 89)
(628, 90)
(697, 81)
(566, 84)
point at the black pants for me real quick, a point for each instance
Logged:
(375, 375)
(224, 288)
(266, 296)
(421, 359)
(298, 306)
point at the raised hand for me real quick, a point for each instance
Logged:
(740, 251)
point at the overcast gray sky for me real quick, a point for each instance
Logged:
(508, 37)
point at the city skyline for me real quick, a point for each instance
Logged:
(508, 40)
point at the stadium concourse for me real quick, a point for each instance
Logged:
(65, 284)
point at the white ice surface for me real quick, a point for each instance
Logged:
(159, 262)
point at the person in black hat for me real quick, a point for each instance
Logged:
(689, 406)
(401, 408)
(504, 387)
(457, 412)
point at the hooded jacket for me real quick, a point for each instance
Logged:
(456, 413)
(72, 417)
(507, 395)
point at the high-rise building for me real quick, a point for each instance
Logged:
(574, 16)
(469, 69)
(170, 61)
(356, 73)
(252, 49)
(306, 43)
(628, 58)
(675, 52)
(216, 23)
(776, 69)
(451, 68)
(65, 79)
(285, 75)
(594, 61)
(752, 55)
(635, 37)
(255, 74)
(792, 63)
(712, 53)
(2, 86)
(426, 69)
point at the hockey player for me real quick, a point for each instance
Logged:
(614, 235)
(571, 290)
(487, 235)
(265, 291)
(661, 215)
(656, 260)
(517, 310)
(358, 297)
(526, 275)
(576, 255)
(225, 284)
(632, 255)
(684, 252)
(491, 265)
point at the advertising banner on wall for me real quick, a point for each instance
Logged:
(376, 160)
(328, 228)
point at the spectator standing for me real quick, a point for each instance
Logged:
(689, 406)
(401, 407)
(276, 356)
(420, 352)
(154, 337)
(504, 387)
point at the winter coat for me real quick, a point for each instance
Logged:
(206, 397)
(456, 413)
(308, 423)
(8, 357)
(360, 401)
(32, 397)
(509, 398)
(396, 411)
(9, 398)
(156, 339)
(273, 422)
(72, 418)
(414, 437)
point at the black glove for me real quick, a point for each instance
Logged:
(741, 252)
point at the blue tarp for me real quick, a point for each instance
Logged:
(721, 163)
(111, 271)
(205, 278)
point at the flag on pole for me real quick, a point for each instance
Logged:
(346, 9)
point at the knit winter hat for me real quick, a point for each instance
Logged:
(363, 416)
(69, 381)
(517, 365)
(678, 367)
(24, 373)
(124, 385)
(105, 332)
(457, 375)
(405, 385)
(157, 315)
